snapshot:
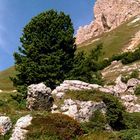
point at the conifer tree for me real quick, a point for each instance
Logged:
(47, 50)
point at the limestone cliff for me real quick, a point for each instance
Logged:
(108, 14)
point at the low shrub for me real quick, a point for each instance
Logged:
(126, 77)
(54, 127)
(97, 122)
(131, 57)
(132, 120)
(137, 90)
(115, 112)
(2, 103)
(134, 74)
(130, 134)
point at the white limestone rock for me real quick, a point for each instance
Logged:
(131, 107)
(60, 95)
(5, 124)
(94, 86)
(39, 97)
(129, 98)
(133, 82)
(19, 132)
(59, 91)
(120, 87)
(81, 110)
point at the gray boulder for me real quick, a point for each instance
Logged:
(133, 82)
(5, 125)
(19, 132)
(39, 97)
(81, 110)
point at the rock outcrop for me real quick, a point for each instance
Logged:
(39, 97)
(73, 85)
(81, 110)
(5, 125)
(108, 14)
(19, 132)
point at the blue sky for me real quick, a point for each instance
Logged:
(15, 14)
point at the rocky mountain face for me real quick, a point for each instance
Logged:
(108, 14)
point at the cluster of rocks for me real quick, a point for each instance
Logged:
(81, 110)
(124, 91)
(60, 91)
(116, 68)
(108, 14)
(19, 131)
(39, 97)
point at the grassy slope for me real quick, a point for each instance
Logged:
(5, 82)
(113, 41)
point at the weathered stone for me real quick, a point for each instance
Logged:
(108, 14)
(133, 82)
(54, 107)
(94, 86)
(120, 87)
(129, 98)
(75, 82)
(5, 124)
(131, 107)
(59, 91)
(19, 132)
(39, 97)
(60, 95)
(106, 90)
(81, 110)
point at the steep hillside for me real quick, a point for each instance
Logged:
(107, 16)
(124, 37)
(5, 82)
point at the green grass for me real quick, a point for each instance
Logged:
(113, 41)
(100, 135)
(85, 95)
(5, 82)
(12, 109)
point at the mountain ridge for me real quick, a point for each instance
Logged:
(107, 16)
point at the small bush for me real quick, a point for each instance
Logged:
(134, 74)
(115, 112)
(97, 122)
(86, 66)
(54, 127)
(137, 90)
(20, 99)
(131, 57)
(2, 103)
(126, 77)
(132, 120)
(130, 134)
